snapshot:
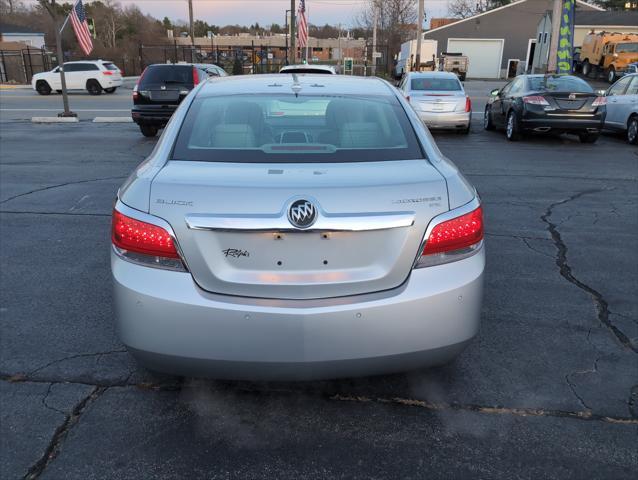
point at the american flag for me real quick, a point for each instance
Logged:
(302, 25)
(81, 27)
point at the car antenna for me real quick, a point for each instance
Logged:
(296, 86)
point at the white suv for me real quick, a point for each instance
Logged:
(91, 75)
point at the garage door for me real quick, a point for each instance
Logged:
(485, 55)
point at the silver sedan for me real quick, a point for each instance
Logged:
(622, 107)
(296, 227)
(438, 99)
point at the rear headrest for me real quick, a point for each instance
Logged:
(233, 135)
(361, 135)
(248, 113)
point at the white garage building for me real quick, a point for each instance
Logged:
(498, 42)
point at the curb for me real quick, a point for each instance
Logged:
(55, 119)
(14, 87)
(112, 120)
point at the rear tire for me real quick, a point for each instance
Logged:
(488, 123)
(512, 129)
(93, 87)
(632, 130)
(588, 137)
(611, 75)
(586, 68)
(148, 130)
(42, 87)
(110, 90)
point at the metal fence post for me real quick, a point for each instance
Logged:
(3, 70)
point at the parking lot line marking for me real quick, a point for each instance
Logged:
(112, 120)
(55, 119)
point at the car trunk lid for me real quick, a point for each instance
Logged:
(570, 102)
(438, 102)
(231, 222)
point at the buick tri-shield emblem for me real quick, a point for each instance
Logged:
(302, 214)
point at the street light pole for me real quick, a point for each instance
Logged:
(374, 41)
(192, 27)
(293, 50)
(58, 28)
(286, 27)
(419, 38)
(553, 41)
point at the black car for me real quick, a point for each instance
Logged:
(159, 91)
(546, 103)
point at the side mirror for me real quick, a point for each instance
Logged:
(494, 92)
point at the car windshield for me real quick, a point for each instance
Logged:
(559, 84)
(162, 74)
(291, 129)
(436, 84)
(627, 48)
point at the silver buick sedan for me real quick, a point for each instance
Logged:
(296, 227)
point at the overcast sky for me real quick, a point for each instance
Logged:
(247, 12)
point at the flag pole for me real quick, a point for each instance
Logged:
(60, 54)
(307, 30)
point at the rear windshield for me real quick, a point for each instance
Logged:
(110, 66)
(163, 74)
(627, 48)
(438, 84)
(559, 84)
(304, 129)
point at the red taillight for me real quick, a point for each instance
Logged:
(535, 100)
(468, 104)
(141, 237)
(107, 72)
(195, 77)
(456, 234)
(599, 102)
(135, 94)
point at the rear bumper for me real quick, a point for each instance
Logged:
(159, 115)
(111, 82)
(563, 123)
(446, 120)
(171, 325)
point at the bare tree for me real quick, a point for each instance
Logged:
(396, 20)
(463, 8)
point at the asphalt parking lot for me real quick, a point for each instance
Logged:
(549, 389)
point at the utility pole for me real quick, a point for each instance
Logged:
(58, 27)
(419, 33)
(192, 27)
(553, 43)
(293, 45)
(373, 70)
(286, 27)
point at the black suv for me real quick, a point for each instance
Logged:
(159, 91)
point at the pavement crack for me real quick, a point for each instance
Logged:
(526, 242)
(602, 306)
(493, 410)
(36, 190)
(71, 357)
(55, 444)
(65, 214)
(46, 396)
